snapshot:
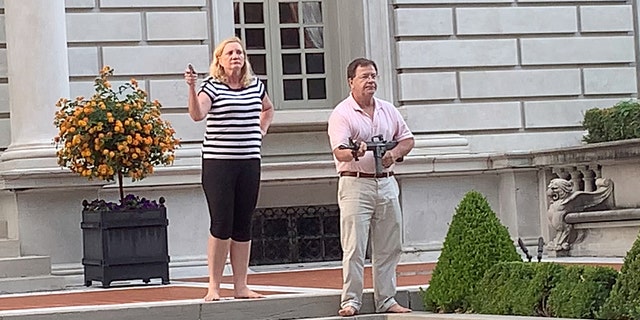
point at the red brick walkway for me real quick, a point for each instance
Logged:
(408, 275)
(195, 288)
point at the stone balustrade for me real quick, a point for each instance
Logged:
(605, 228)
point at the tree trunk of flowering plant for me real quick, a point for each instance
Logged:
(120, 188)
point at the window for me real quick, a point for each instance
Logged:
(286, 46)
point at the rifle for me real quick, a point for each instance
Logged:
(378, 145)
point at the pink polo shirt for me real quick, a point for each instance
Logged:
(348, 120)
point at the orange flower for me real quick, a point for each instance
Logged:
(112, 133)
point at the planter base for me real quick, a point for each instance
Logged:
(144, 271)
(125, 245)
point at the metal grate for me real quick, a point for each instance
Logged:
(295, 234)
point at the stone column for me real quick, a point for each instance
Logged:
(38, 72)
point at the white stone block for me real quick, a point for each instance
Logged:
(576, 1)
(577, 50)
(561, 113)
(83, 61)
(457, 53)
(519, 83)
(5, 133)
(186, 129)
(281, 195)
(424, 21)
(176, 25)
(400, 2)
(171, 93)
(79, 3)
(610, 80)
(463, 116)
(3, 33)
(525, 142)
(430, 202)
(606, 18)
(154, 60)
(4, 97)
(103, 27)
(151, 3)
(81, 88)
(516, 20)
(3, 63)
(427, 86)
(86, 88)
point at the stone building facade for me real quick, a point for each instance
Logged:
(480, 82)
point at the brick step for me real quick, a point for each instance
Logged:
(9, 248)
(29, 266)
(31, 284)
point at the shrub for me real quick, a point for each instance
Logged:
(543, 289)
(622, 121)
(580, 291)
(516, 288)
(624, 301)
(475, 241)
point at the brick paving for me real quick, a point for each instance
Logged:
(269, 283)
(408, 275)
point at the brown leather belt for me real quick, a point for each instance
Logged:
(365, 175)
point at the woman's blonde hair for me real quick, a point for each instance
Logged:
(217, 71)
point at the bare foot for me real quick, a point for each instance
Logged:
(245, 293)
(347, 311)
(397, 308)
(212, 295)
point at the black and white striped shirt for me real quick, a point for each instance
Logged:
(233, 123)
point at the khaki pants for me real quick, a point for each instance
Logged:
(369, 206)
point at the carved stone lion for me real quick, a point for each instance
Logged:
(563, 200)
(558, 192)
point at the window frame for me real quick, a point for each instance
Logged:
(274, 66)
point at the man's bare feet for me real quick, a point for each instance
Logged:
(245, 293)
(212, 295)
(397, 308)
(347, 311)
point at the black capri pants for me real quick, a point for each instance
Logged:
(231, 188)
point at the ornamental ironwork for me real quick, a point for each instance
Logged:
(295, 234)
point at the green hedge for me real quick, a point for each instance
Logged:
(624, 301)
(620, 122)
(475, 241)
(581, 291)
(516, 288)
(543, 289)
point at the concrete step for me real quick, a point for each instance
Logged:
(4, 229)
(31, 284)
(29, 266)
(292, 306)
(9, 248)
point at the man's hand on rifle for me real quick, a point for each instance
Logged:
(360, 152)
(388, 159)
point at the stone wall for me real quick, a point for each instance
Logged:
(475, 78)
(512, 75)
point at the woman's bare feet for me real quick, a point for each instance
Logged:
(246, 293)
(397, 308)
(212, 295)
(347, 311)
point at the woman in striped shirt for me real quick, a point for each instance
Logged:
(238, 113)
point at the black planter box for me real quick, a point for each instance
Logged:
(125, 245)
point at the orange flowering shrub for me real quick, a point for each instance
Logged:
(113, 133)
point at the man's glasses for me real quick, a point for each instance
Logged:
(366, 76)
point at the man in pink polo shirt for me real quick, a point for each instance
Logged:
(368, 200)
